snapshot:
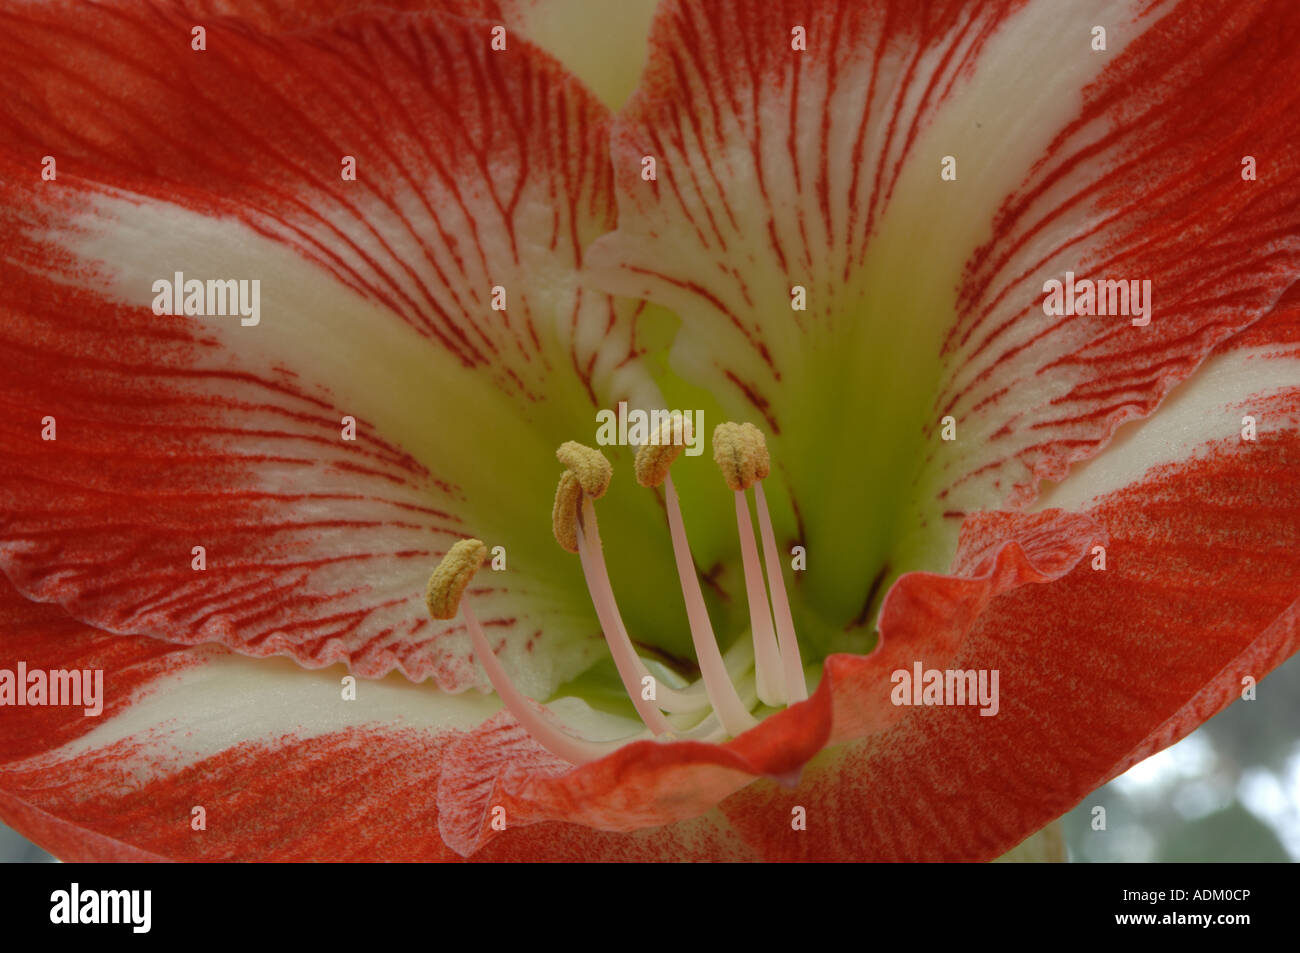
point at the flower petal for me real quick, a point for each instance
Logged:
(302, 14)
(647, 783)
(475, 169)
(1201, 588)
(601, 43)
(284, 768)
(1097, 667)
(822, 169)
(45, 637)
(1237, 544)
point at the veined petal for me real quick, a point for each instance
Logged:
(284, 768)
(1226, 444)
(43, 636)
(476, 170)
(822, 171)
(648, 783)
(1097, 667)
(302, 14)
(1146, 182)
(602, 43)
(1104, 667)
(257, 744)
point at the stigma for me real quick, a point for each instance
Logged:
(711, 709)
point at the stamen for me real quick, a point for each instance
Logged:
(620, 644)
(741, 452)
(722, 693)
(796, 688)
(560, 743)
(589, 465)
(653, 459)
(445, 596)
(630, 668)
(767, 656)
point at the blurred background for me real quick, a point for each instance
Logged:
(1229, 791)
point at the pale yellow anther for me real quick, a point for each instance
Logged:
(564, 515)
(653, 459)
(589, 465)
(448, 582)
(741, 451)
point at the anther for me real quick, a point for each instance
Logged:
(448, 582)
(741, 451)
(653, 459)
(564, 515)
(588, 465)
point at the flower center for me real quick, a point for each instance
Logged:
(710, 709)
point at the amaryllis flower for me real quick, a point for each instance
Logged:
(834, 226)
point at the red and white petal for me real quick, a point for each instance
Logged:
(1200, 590)
(822, 169)
(283, 767)
(1146, 182)
(1228, 443)
(45, 637)
(647, 784)
(1094, 665)
(603, 44)
(475, 169)
(302, 14)
(1097, 667)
